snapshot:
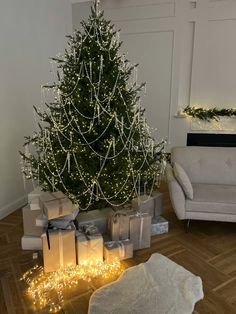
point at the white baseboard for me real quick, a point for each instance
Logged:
(10, 208)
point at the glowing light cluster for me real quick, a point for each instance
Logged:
(47, 289)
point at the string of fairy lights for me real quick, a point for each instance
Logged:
(47, 290)
(65, 120)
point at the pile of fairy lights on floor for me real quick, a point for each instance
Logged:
(47, 289)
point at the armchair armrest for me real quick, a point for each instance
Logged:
(177, 196)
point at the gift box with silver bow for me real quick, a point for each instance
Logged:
(89, 244)
(159, 225)
(55, 204)
(118, 225)
(140, 230)
(118, 249)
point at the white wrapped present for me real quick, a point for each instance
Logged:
(118, 224)
(151, 204)
(58, 249)
(118, 250)
(29, 222)
(140, 230)
(98, 218)
(158, 203)
(33, 199)
(159, 226)
(89, 244)
(31, 243)
(144, 204)
(60, 222)
(55, 204)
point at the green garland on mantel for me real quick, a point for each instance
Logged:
(209, 114)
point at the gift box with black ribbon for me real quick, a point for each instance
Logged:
(55, 204)
(118, 250)
(58, 248)
(118, 225)
(89, 244)
(140, 230)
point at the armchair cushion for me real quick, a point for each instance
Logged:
(214, 198)
(183, 179)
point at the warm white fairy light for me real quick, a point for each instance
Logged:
(47, 289)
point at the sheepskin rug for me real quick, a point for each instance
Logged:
(158, 286)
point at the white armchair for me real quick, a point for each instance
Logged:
(212, 173)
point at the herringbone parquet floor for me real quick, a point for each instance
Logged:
(208, 250)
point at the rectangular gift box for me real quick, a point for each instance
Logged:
(159, 226)
(97, 217)
(145, 204)
(55, 204)
(29, 222)
(140, 230)
(89, 244)
(60, 222)
(33, 199)
(31, 243)
(62, 249)
(158, 203)
(118, 249)
(118, 225)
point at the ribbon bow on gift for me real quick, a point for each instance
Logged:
(50, 226)
(88, 230)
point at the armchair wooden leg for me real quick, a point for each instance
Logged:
(187, 225)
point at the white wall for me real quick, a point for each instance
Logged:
(187, 54)
(31, 31)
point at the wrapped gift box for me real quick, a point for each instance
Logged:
(31, 243)
(118, 225)
(61, 252)
(159, 226)
(158, 203)
(140, 230)
(55, 204)
(118, 249)
(29, 222)
(60, 222)
(151, 204)
(145, 204)
(89, 244)
(33, 199)
(98, 218)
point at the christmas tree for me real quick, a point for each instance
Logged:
(93, 142)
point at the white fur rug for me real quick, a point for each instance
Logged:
(158, 286)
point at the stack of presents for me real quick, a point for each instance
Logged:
(70, 237)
